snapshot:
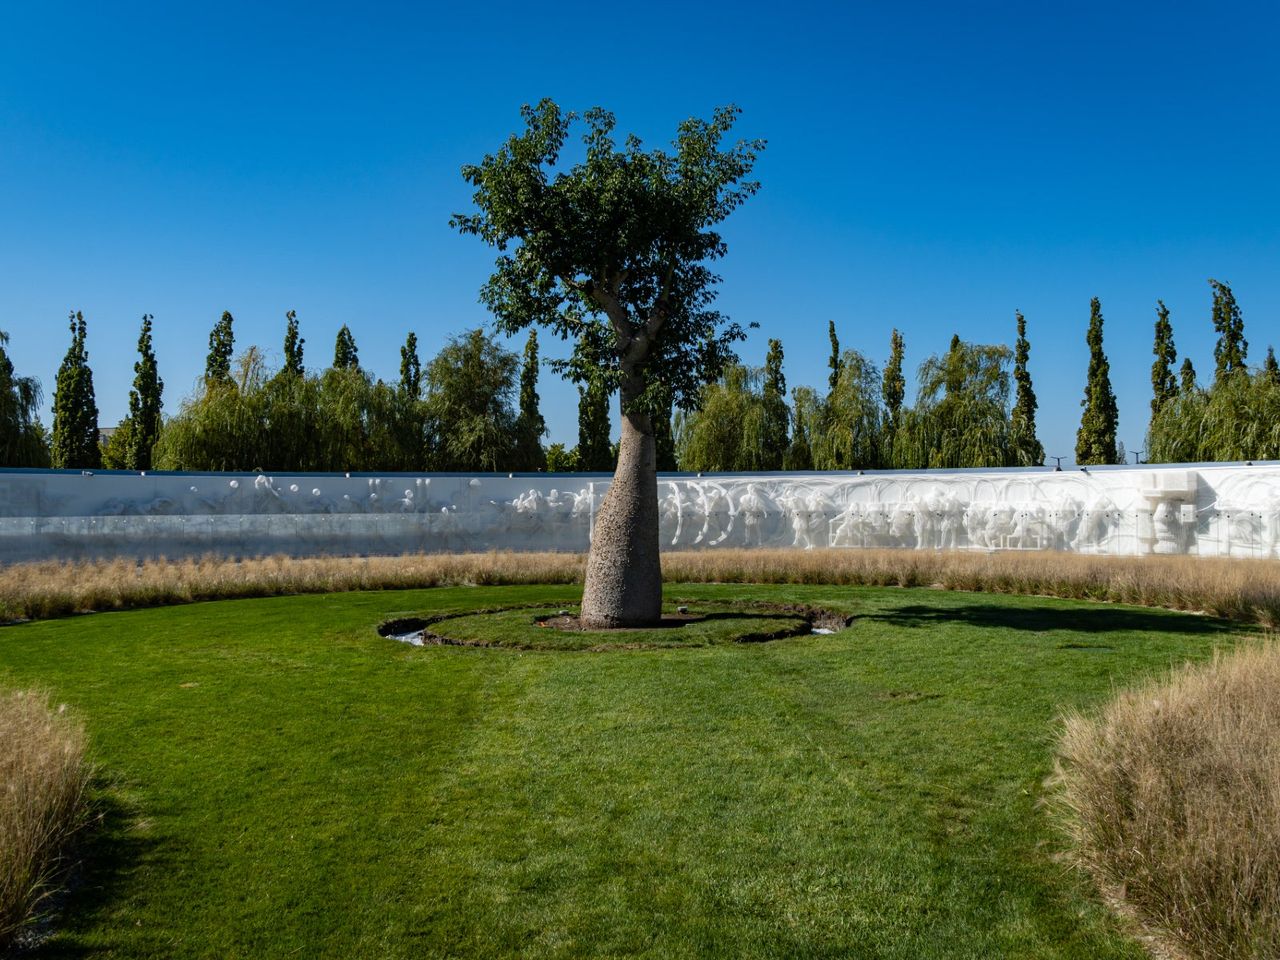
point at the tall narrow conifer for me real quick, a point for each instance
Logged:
(1026, 448)
(1096, 438)
(292, 346)
(75, 410)
(345, 354)
(410, 368)
(530, 426)
(145, 399)
(1186, 376)
(833, 363)
(1230, 351)
(893, 387)
(217, 365)
(1164, 385)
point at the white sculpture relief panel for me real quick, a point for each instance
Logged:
(1211, 510)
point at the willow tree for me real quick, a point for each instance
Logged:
(22, 441)
(961, 414)
(621, 241)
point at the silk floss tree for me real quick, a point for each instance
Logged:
(617, 247)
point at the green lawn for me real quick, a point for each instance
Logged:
(286, 783)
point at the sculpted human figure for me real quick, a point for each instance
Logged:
(1000, 524)
(798, 510)
(1096, 520)
(717, 515)
(821, 510)
(849, 527)
(975, 524)
(951, 523)
(753, 509)
(902, 523)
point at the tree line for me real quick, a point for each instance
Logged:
(475, 407)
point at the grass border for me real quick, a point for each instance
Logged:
(1243, 590)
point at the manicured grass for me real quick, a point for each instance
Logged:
(287, 783)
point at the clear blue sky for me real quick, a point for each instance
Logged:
(931, 166)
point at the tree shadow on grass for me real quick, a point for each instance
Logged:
(106, 854)
(1098, 619)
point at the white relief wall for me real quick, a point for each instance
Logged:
(1207, 510)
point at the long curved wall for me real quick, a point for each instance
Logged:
(1207, 510)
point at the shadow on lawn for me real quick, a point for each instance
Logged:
(1099, 619)
(108, 853)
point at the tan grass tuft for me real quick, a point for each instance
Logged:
(1171, 798)
(43, 779)
(1238, 589)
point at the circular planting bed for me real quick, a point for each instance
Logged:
(555, 627)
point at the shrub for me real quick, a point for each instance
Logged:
(43, 780)
(1171, 798)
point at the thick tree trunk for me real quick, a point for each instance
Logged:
(624, 572)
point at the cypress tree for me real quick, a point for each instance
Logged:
(1096, 438)
(1027, 449)
(774, 435)
(144, 403)
(75, 411)
(530, 426)
(595, 453)
(217, 366)
(893, 387)
(410, 368)
(833, 363)
(292, 346)
(1164, 386)
(1231, 349)
(1187, 376)
(345, 355)
(1269, 367)
(21, 439)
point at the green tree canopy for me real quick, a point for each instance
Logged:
(1096, 438)
(222, 341)
(410, 367)
(22, 442)
(806, 410)
(530, 426)
(833, 361)
(293, 344)
(961, 414)
(848, 432)
(470, 386)
(621, 243)
(1164, 384)
(726, 432)
(75, 410)
(1230, 351)
(774, 440)
(345, 354)
(145, 402)
(1026, 448)
(893, 386)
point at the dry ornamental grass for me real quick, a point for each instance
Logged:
(1171, 797)
(43, 779)
(1243, 590)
